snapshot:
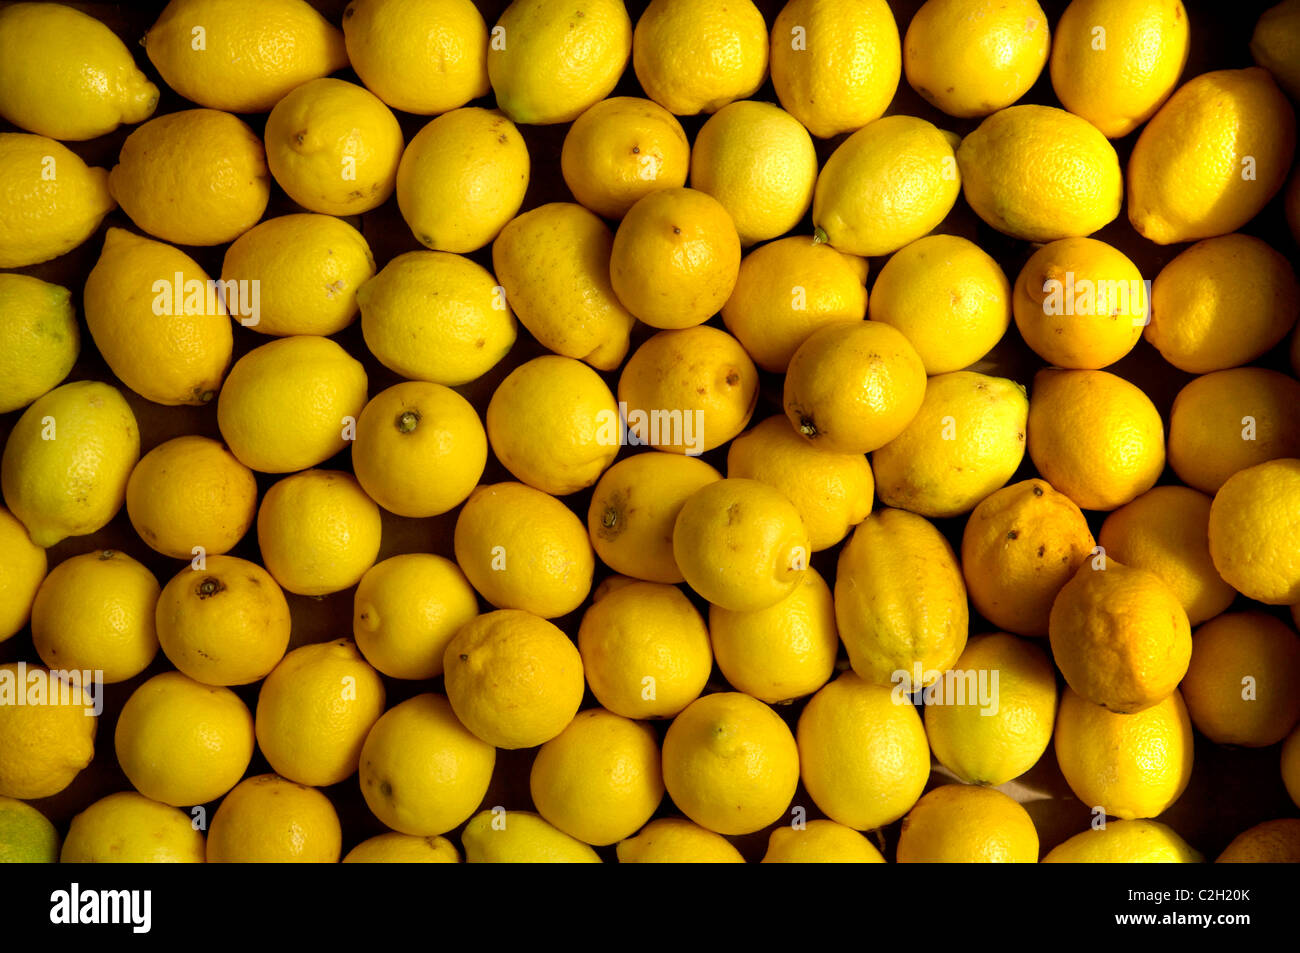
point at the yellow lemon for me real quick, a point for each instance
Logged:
(246, 54)
(1094, 436)
(405, 611)
(645, 650)
(1117, 78)
(621, 149)
(314, 711)
(886, 185)
(1128, 766)
(820, 842)
(675, 840)
(95, 612)
(950, 299)
(523, 549)
(39, 342)
(552, 63)
(787, 289)
(266, 819)
(462, 178)
(974, 57)
(553, 424)
(599, 779)
(852, 388)
(1255, 532)
(687, 391)
(418, 57)
(47, 731)
(634, 507)
(394, 848)
(422, 772)
(1186, 175)
(835, 63)
(22, 570)
(129, 828)
(694, 56)
(1040, 174)
(26, 835)
(181, 742)
(318, 532)
(521, 837)
(1275, 44)
(863, 754)
(730, 763)
(1291, 765)
(964, 824)
(68, 459)
(553, 263)
(1138, 841)
(51, 200)
(1272, 842)
(419, 449)
(286, 405)
(512, 678)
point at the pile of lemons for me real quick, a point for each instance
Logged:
(636, 618)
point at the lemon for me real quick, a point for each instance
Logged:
(852, 388)
(832, 491)
(996, 738)
(318, 532)
(1255, 532)
(599, 779)
(1094, 436)
(687, 391)
(553, 62)
(621, 149)
(886, 185)
(95, 612)
(39, 342)
(835, 64)
(129, 828)
(553, 424)
(1213, 156)
(1225, 301)
(675, 840)
(1117, 78)
(820, 842)
(784, 291)
(1243, 684)
(225, 624)
(266, 819)
(962, 824)
(462, 178)
(634, 508)
(1275, 46)
(26, 835)
(422, 772)
(1291, 765)
(314, 711)
(1166, 531)
(782, 652)
(405, 611)
(694, 56)
(181, 742)
(523, 549)
(1275, 842)
(950, 299)
(1129, 766)
(966, 440)
(645, 650)
(46, 740)
(741, 544)
(760, 164)
(1120, 636)
(864, 757)
(1137, 841)
(553, 262)
(730, 763)
(1040, 174)
(191, 493)
(512, 678)
(246, 55)
(285, 405)
(51, 200)
(67, 461)
(22, 570)
(974, 57)
(194, 177)
(307, 270)
(394, 848)
(419, 449)
(1080, 303)
(521, 837)
(66, 75)
(675, 258)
